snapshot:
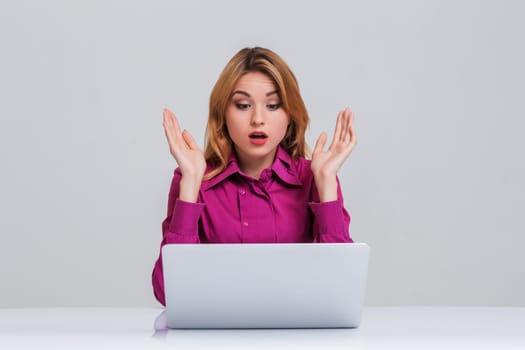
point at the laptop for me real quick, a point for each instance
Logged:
(302, 285)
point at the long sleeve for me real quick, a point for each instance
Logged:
(180, 226)
(331, 221)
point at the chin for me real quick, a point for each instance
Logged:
(259, 151)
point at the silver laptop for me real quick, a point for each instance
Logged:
(265, 285)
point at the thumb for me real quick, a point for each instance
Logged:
(319, 144)
(190, 141)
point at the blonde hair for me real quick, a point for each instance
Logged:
(219, 146)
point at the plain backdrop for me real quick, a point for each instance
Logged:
(435, 185)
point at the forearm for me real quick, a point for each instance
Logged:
(189, 188)
(181, 223)
(157, 280)
(327, 187)
(331, 222)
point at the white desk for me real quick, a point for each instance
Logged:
(382, 328)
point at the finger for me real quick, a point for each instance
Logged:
(353, 140)
(319, 144)
(173, 129)
(175, 140)
(352, 136)
(350, 128)
(190, 141)
(166, 124)
(344, 125)
(173, 122)
(336, 132)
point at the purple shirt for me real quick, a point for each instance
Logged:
(281, 207)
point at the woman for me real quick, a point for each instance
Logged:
(253, 184)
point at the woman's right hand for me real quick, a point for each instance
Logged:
(188, 156)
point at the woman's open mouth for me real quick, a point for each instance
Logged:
(258, 138)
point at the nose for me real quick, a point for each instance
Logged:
(258, 116)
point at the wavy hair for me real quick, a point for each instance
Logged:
(219, 145)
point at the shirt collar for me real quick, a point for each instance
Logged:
(231, 168)
(283, 166)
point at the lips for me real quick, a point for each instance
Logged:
(258, 138)
(258, 135)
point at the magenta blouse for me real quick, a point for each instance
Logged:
(281, 207)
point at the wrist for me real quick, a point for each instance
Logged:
(189, 189)
(326, 187)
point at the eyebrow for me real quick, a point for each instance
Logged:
(248, 95)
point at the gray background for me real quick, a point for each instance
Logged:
(435, 185)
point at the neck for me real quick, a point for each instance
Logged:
(254, 166)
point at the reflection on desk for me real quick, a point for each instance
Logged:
(381, 328)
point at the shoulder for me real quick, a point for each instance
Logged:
(302, 168)
(302, 164)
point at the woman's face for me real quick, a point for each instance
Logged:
(255, 119)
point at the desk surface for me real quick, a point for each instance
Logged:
(381, 328)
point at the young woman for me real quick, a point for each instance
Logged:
(252, 183)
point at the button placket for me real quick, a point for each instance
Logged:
(242, 204)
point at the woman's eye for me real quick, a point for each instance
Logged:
(242, 106)
(274, 106)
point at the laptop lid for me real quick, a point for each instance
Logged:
(265, 285)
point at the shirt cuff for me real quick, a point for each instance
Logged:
(185, 218)
(329, 217)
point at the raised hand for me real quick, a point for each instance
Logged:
(187, 154)
(326, 164)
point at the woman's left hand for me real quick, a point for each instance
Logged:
(326, 164)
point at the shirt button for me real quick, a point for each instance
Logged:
(242, 192)
(245, 223)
